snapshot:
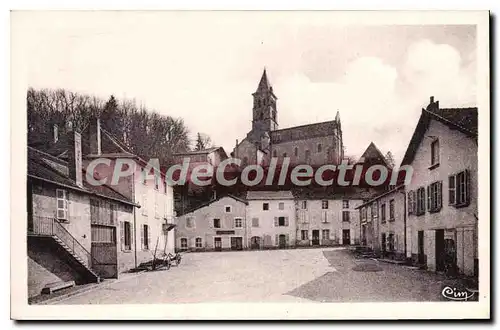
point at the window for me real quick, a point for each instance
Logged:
(157, 182)
(382, 212)
(216, 223)
(325, 234)
(112, 213)
(275, 153)
(281, 206)
(391, 210)
(319, 147)
(198, 242)
(296, 152)
(411, 202)
(227, 209)
(143, 172)
(308, 155)
(144, 205)
(459, 189)
(345, 204)
(374, 210)
(126, 235)
(145, 237)
(280, 221)
(434, 194)
(189, 222)
(435, 152)
(324, 217)
(62, 204)
(304, 235)
(238, 222)
(346, 216)
(324, 205)
(303, 205)
(184, 243)
(255, 222)
(420, 201)
(265, 206)
(390, 242)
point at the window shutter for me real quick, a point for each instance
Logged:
(276, 240)
(287, 240)
(286, 221)
(428, 198)
(410, 203)
(142, 237)
(467, 186)
(122, 235)
(440, 195)
(132, 234)
(276, 223)
(414, 202)
(149, 237)
(452, 190)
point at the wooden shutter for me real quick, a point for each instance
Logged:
(440, 195)
(429, 198)
(410, 203)
(122, 235)
(142, 237)
(276, 222)
(467, 186)
(276, 240)
(287, 240)
(286, 221)
(149, 237)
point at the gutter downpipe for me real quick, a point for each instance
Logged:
(135, 222)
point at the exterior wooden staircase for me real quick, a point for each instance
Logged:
(73, 251)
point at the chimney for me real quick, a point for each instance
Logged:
(432, 99)
(95, 136)
(56, 133)
(433, 105)
(75, 158)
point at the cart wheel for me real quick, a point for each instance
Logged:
(178, 261)
(168, 264)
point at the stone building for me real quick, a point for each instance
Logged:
(217, 225)
(314, 144)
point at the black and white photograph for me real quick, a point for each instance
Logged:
(288, 162)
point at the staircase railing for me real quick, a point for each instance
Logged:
(52, 227)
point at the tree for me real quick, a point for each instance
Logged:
(203, 141)
(390, 159)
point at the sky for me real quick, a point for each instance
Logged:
(203, 67)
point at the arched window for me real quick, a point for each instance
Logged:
(261, 116)
(275, 154)
(245, 161)
(319, 147)
(184, 243)
(274, 115)
(258, 103)
(296, 152)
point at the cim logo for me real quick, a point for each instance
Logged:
(456, 294)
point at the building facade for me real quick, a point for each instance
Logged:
(325, 220)
(220, 224)
(442, 195)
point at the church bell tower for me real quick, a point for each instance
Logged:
(264, 108)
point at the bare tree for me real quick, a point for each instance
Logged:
(203, 141)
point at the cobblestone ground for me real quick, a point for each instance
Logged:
(270, 276)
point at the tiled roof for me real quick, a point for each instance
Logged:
(465, 118)
(333, 193)
(269, 195)
(373, 154)
(45, 167)
(241, 200)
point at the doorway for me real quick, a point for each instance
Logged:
(421, 256)
(282, 241)
(236, 243)
(315, 237)
(255, 243)
(384, 243)
(346, 236)
(217, 243)
(440, 253)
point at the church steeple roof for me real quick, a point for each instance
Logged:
(264, 85)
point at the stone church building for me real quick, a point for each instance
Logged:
(314, 144)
